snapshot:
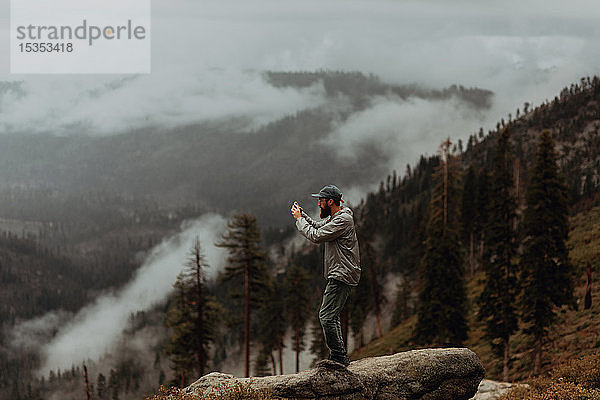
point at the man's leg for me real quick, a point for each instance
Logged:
(334, 299)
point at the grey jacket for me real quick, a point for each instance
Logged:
(342, 259)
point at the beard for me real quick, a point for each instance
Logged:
(326, 212)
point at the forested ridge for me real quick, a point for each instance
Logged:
(63, 260)
(209, 164)
(572, 121)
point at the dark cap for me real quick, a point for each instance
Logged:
(329, 192)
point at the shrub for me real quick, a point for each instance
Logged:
(234, 390)
(577, 379)
(548, 389)
(584, 371)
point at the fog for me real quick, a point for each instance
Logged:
(208, 56)
(81, 105)
(402, 130)
(96, 329)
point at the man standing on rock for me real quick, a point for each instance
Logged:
(342, 262)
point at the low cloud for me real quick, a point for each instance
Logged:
(402, 130)
(32, 333)
(81, 105)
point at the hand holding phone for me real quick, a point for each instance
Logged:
(296, 210)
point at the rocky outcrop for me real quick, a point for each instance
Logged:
(429, 374)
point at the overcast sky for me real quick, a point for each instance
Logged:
(206, 56)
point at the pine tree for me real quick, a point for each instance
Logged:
(469, 214)
(442, 299)
(298, 306)
(196, 274)
(161, 377)
(317, 345)
(192, 317)
(366, 232)
(114, 385)
(587, 303)
(497, 302)
(261, 363)
(481, 203)
(246, 262)
(181, 324)
(358, 307)
(402, 304)
(377, 298)
(546, 274)
(273, 323)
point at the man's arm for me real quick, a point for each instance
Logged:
(312, 222)
(298, 212)
(326, 233)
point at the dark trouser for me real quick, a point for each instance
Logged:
(334, 298)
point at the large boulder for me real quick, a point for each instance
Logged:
(429, 374)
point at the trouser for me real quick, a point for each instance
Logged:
(334, 298)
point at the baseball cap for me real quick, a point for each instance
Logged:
(329, 192)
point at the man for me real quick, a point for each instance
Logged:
(342, 262)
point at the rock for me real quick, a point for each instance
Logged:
(422, 374)
(492, 390)
(430, 374)
(210, 383)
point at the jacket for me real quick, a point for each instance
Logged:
(342, 258)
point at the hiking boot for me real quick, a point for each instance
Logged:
(345, 361)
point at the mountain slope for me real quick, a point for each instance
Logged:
(576, 333)
(574, 120)
(212, 164)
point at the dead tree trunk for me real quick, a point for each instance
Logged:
(588, 288)
(537, 363)
(471, 255)
(247, 319)
(297, 349)
(199, 309)
(87, 382)
(374, 286)
(280, 360)
(506, 360)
